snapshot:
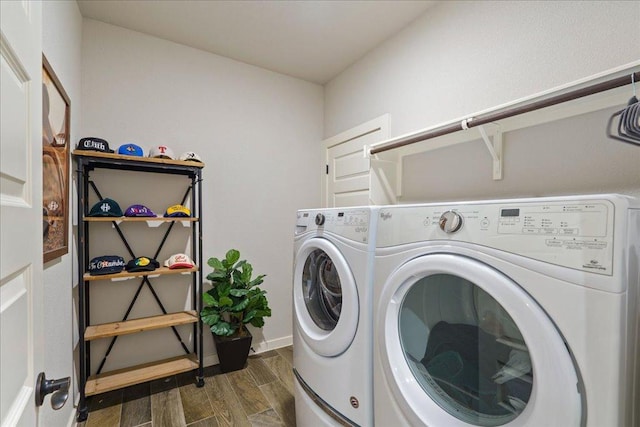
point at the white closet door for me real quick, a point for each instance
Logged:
(21, 319)
(347, 169)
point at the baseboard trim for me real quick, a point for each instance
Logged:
(72, 419)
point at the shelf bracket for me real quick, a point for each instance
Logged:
(495, 149)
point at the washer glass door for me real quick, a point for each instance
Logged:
(460, 342)
(325, 297)
(322, 289)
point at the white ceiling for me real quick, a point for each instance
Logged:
(312, 40)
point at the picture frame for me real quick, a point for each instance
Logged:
(56, 115)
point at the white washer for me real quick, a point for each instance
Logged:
(508, 312)
(332, 300)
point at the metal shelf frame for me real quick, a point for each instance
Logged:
(86, 163)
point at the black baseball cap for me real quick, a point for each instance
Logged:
(105, 207)
(92, 143)
(142, 263)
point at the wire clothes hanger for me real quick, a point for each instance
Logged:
(629, 120)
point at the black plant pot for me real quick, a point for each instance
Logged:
(233, 351)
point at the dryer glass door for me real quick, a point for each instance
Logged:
(475, 363)
(463, 337)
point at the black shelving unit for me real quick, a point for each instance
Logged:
(87, 162)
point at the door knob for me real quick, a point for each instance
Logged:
(59, 388)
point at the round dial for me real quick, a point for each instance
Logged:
(450, 222)
(319, 219)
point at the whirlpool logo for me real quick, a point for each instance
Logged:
(385, 215)
(594, 265)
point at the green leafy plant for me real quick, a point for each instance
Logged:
(235, 298)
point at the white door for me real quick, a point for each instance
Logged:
(461, 344)
(21, 319)
(325, 298)
(347, 178)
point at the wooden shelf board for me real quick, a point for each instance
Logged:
(137, 219)
(133, 326)
(90, 153)
(158, 271)
(120, 378)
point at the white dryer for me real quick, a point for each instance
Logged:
(508, 313)
(332, 301)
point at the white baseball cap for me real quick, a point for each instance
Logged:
(179, 261)
(161, 151)
(190, 156)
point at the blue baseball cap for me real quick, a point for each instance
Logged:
(131, 150)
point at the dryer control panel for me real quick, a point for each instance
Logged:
(583, 220)
(578, 235)
(575, 233)
(351, 223)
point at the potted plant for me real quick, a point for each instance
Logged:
(233, 301)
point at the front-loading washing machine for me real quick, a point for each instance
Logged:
(332, 301)
(516, 312)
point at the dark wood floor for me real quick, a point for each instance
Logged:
(260, 395)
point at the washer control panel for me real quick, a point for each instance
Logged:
(576, 233)
(350, 223)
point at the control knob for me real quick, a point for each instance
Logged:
(450, 221)
(319, 219)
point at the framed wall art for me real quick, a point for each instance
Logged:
(56, 113)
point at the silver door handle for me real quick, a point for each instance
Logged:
(59, 388)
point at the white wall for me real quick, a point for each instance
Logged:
(259, 135)
(62, 49)
(464, 57)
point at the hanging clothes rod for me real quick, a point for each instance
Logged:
(510, 112)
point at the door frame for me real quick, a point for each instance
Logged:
(379, 124)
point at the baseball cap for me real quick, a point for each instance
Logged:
(94, 144)
(139, 210)
(106, 264)
(190, 156)
(161, 151)
(142, 263)
(105, 207)
(179, 261)
(176, 211)
(131, 150)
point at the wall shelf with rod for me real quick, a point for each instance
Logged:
(605, 90)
